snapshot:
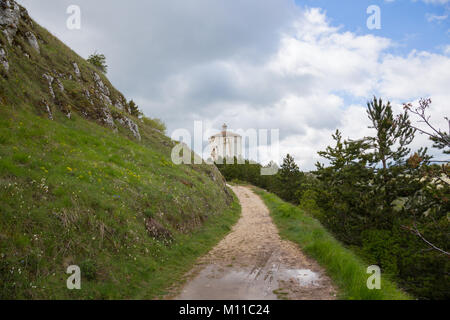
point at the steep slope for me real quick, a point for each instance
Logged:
(83, 182)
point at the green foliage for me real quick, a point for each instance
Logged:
(393, 135)
(232, 169)
(134, 109)
(289, 179)
(371, 196)
(99, 61)
(155, 124)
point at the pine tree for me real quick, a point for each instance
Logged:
(289, 179)
(289, 168)
(393, 135)
(134, 109)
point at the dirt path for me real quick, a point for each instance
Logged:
(252, 262)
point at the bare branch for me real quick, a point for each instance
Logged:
(417, 233)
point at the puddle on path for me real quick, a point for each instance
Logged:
(217, 283)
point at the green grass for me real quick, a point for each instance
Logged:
(347, 271)
(74, 192)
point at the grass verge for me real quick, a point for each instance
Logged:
(75, 193)
(347, 271)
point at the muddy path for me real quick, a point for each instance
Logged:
(253, 262)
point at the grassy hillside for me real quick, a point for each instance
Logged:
(345, 268)
(85, 183)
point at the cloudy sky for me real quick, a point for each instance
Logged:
(303, 67)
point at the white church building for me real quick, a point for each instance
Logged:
(225, 144)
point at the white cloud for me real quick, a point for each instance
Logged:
(446, 50)
(435, 18)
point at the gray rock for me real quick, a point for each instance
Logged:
(60, 85)
(122, 104)
(119, 105)
(3, 60)
(100, 85)
(50, 80)
(106, 100)
(103, 92)
(49, 111)
(9, 18)
(88, 96)
(130, 125)
(32, 40)
(76, 69)
(108, 119)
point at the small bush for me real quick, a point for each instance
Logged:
(99, 61)
(155, 124)
(88, 269)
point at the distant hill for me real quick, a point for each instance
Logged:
(83, 182)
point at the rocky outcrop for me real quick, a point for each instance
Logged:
(103, 103)
(10, 14)
(60, 85)
(88, 96)
(32, 40)
(102, 90)
(48, 110)
(3, 59)
(130, 125)
(50, 80)
(76, 69)
(119, 105)
(108, 118)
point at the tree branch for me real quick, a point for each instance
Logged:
(417, 233)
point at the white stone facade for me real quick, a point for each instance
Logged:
(225, 145)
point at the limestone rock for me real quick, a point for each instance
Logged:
(108, 118)
(88, 96)
(3, 60)
(130, 125)
(100, 85)
(50, 80)
(76, 69)
(106, 100)
(119, 105)
(103, 92)
(60, 85)
(49, 111)
(9, 18)
(32, 40)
